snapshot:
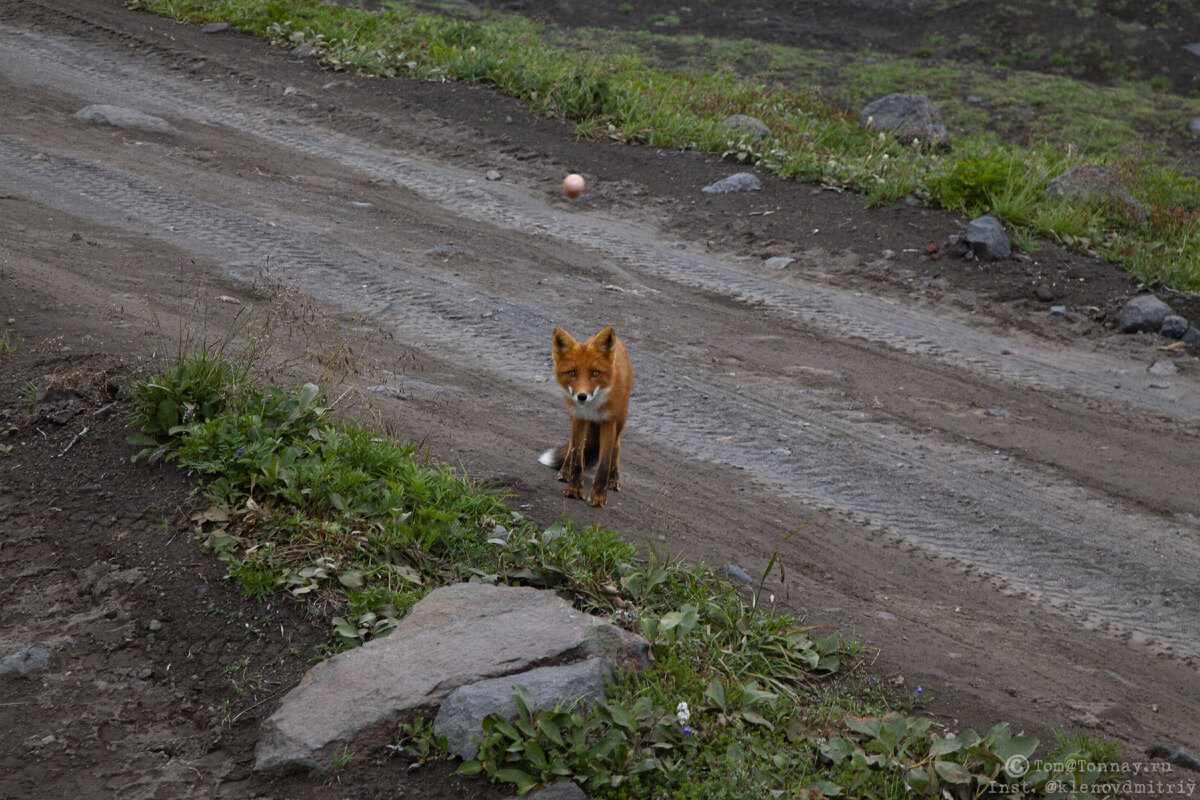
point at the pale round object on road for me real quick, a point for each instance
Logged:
(573, 185)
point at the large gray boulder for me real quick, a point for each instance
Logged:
(743, 123)
(908, 117)
(120, 117)
(457, 635)
(1143, 313)
(460, 719)
(1093, 182)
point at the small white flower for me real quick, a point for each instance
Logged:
(682, 713)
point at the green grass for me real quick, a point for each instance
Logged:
(360, 527)
(609, 84)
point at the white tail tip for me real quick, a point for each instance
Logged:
(547, 458)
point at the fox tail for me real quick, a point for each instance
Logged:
(555, 456)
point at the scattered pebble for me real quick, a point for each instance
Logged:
(493, 175)
(1058, 311)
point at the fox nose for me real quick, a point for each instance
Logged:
(582, 397)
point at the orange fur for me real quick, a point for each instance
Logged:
(596, 378)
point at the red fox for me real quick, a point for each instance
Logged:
(596, 378)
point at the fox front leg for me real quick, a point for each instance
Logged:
(572, 468)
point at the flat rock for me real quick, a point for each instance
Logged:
(215, 27)
(737, 182)
(455, 636)
(460, 718)
(30, 659)
(778, 262)
(121, 117)
(908, 117)
(987, 239)
(1163, 367)
(1143, 313)
(746, 124)
(1093, 182)
(563, 790)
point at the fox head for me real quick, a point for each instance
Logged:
(584, 371)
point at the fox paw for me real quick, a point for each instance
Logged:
(614, 484)
(597, 500)
(575, 492)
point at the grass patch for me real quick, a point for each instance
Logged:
(738, 702)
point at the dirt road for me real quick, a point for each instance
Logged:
(1002, 502)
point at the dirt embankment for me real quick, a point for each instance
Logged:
(993, 494)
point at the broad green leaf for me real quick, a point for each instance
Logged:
(836, 750)
(523, 780)
(941, 747)
(1023, 746)
(829, 789)
(868, 726)
(918, 780)
(351, 579)
(550, 730)
(951, 772)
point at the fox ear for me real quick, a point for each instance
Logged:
(605, 340)
(563, 343)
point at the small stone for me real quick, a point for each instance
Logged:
(1163, 367)
(154, 625)
(987, 239)
(215, 27)
(888, 254)
(778, 262)
(1058, 311)
(1173, 326)
(738, 182)
(1194, 125)
(303, 51)
(734, 573)
(1192, 337)
(493, 175)
(290, 90)
(1044, 292)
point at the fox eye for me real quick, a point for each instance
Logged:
(571, 374)
(595, 373)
